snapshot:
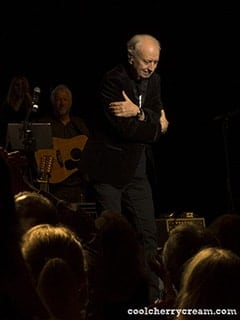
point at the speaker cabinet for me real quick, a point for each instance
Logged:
(165, 225)
(89, 207)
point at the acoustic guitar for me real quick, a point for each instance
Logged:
(57, 164)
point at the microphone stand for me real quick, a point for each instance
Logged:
(225, 126)
(29, 143)
(28, 139)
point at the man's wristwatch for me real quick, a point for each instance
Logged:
(140, 113)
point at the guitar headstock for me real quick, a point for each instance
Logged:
(45, 168)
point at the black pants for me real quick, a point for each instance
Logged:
(134, 201)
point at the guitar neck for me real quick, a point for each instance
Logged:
(43, 186)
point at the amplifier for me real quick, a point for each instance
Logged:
(89, 207)
(165, 225)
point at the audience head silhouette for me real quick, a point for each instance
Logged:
(34, 208)
(184, 241)
(58, 265)
(120, 280)
(211, 280)
(226, 229)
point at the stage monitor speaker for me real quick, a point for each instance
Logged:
(165, 225)
(90, 208)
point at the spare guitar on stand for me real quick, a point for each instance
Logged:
(45, 168)
(58, 163)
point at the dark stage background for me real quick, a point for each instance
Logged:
(198, 163)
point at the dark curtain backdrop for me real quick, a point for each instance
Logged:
(198, 167)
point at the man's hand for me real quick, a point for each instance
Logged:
(163, 121)
(125, 108)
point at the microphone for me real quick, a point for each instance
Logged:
(36, 98)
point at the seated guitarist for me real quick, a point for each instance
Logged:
(69, 137)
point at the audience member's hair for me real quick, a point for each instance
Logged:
(58, 265)
(34, 208)
(183, 242)
(211, 280)
(76, 218)
(226, 229)
(118, 272)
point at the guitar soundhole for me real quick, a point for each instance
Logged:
(76, 153)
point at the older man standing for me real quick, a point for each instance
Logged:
(130, 119)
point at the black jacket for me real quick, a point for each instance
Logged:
(113, 151)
